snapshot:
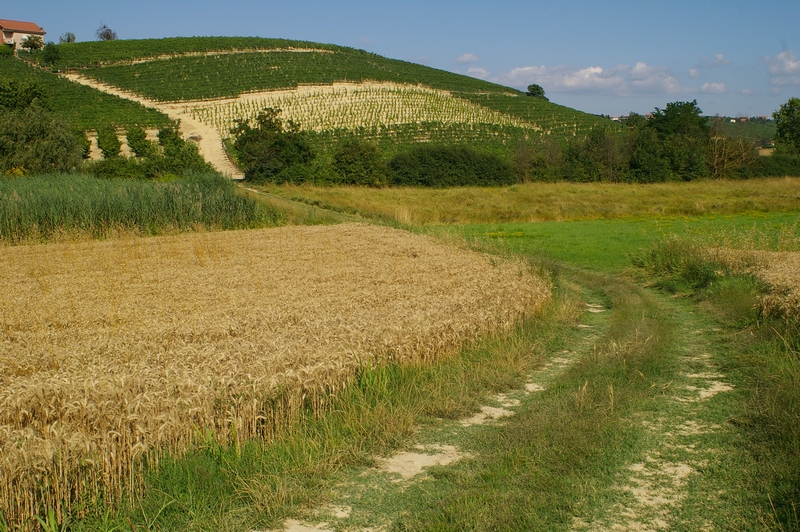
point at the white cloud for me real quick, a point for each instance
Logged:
(784, 69)
(478, 72)
(694, 72)
(467, 58)
(747, 92)
(714, 88)
(720, 60)
(623, 80)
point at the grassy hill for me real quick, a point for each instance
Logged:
(81, 106)
(488, 116)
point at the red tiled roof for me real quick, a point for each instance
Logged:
(21, 27)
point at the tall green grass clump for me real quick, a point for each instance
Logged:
(53, 206)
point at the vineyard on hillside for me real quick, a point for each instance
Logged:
(355, 106)
(81, 106)
(193, 77)
(391, 95)
(332, 92)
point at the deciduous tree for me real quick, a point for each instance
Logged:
(51, 54)
(787, 123)
(269, 148)
(536, 91)
(104, 33)
(33, 43)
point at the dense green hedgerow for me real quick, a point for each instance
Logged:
(445, 166)
(777, 165)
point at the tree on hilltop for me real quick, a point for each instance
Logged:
(536, 91)
(67, 38)
(50, 54)
(104, 33)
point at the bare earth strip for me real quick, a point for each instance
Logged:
(114, 350)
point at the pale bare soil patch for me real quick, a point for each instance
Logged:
(111, 351)
(166, 57)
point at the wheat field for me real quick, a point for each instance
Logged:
(780, 270)
(115, 352)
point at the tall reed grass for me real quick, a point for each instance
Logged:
(50, 207)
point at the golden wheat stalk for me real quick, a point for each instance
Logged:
(115, 352)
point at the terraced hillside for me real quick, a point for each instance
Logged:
(328, 89)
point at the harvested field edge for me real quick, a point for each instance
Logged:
(118, 352)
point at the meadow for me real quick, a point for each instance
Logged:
(539, 202)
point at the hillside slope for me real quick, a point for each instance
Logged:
(331, 90)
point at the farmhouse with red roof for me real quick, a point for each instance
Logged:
(16, 31)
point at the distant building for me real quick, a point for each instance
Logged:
(16, 31)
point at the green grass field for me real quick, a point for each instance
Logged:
(614, 411)
(607, 245)
(538, 202)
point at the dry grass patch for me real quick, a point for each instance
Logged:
(780, 270)
(119, 350)
(537, 202)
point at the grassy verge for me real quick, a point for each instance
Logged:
(537, 202)
(259, 484)
(763, 357)
(54, 207)
(558, 456)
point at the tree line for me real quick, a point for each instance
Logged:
(676, 143)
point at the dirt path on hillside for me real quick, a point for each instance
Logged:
(206, 137)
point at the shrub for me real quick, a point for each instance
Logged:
(177, 157)
(108, 142)
(359, 163)
(33, 139)
(180, 156)
(448, 166)
(269, 148)
(137, 141)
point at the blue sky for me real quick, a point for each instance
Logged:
(735, 58)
